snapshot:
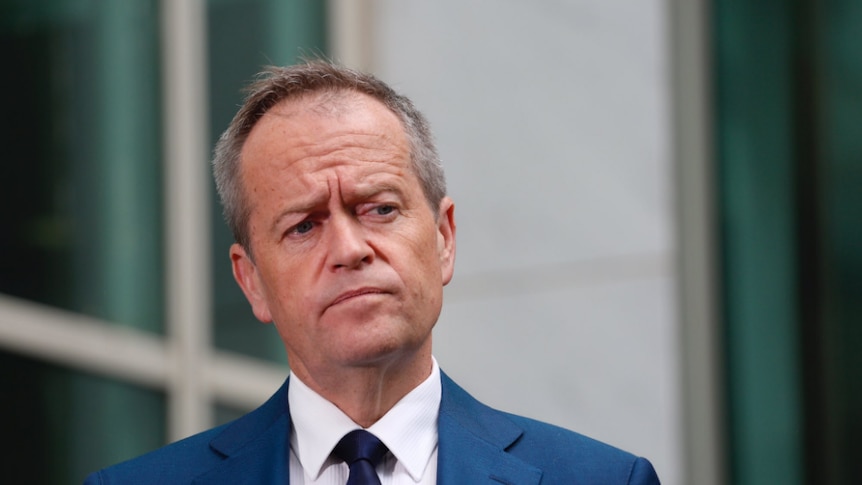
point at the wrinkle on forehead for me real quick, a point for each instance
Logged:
(350, 148)
(298, 151)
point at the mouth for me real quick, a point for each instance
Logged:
(349, 295)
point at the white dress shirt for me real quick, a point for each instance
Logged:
(409, 430)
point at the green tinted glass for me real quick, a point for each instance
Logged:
(79, 198)
(58, 425)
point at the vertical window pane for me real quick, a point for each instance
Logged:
(838, 382)
(60, 425)
(79, 199)
(790, 156)
(756, 157)
(244, 36)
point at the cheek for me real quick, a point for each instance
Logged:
(411, 258)
(428, 257)
(285, 287)
(424, 274)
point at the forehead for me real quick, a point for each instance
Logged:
(315, 124)
(297, 141)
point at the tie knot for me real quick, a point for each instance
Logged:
(360, 445)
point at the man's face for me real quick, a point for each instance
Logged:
(347, 257)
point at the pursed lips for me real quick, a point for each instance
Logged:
(347, 295)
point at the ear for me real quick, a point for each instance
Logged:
(248, 278)
(446, 238)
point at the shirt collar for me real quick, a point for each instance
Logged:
(409, 429)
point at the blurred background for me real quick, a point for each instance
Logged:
(658, 204)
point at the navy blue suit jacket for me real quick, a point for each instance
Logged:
(476, 445)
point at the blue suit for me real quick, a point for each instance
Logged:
(476, 445)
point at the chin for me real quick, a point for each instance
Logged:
(371, 351)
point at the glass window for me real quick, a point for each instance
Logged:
(62, 425)
(79, 198)
(790, 159)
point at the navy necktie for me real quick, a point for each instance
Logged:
(362, 452)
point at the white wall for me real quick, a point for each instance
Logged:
(552, 119)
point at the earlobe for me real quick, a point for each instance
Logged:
(446, 238)
(247, 277)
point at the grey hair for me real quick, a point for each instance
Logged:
(277, 84)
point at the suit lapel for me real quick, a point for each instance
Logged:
(263, 461)
(473, 439)
(256, 447)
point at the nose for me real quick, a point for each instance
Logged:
(348, 247)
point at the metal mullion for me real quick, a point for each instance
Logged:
(186, 214)
(92, 345)
(83, 342)
(350, 33)
(241, 381)
(700, 342)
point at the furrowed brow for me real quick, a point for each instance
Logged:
(373, 189)
(297, 209)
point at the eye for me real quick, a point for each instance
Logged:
(384, 210)
(378, 211)
(303, 227)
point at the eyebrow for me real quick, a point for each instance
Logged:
(363, 192)
(301, 207)
(367, 191)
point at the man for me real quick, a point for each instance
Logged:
(344, 240)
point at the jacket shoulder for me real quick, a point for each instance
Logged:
(561, 455)
(566, 456)
(184, 460)
(178, 462)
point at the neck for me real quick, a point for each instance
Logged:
(365, 393)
